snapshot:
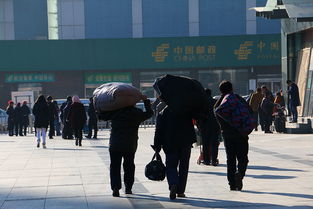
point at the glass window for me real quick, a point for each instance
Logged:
(212, 78)
(147, 79)
(6, 20)
(71, 19)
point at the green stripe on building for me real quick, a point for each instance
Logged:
(138, 54)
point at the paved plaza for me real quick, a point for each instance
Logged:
(280, 175)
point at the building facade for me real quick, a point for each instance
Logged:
(209, 40)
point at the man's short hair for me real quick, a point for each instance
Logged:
(226, 87)
(49, 98)
(208, 92)
(258, 89)
(263, 87)
(288, 81)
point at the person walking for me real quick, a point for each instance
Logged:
(294, 100)
(57, 123)
(11, 115)
(254, 104)
(175, 134)
(77, 118)
(93, 120)
(18, 119)
(267, 108)
(67, 132)
(228, 111)
(51, 113)
(40, 111)
(64, 104)
(211, 143)
(25, 119)
(123, 143)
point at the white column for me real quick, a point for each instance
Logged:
(137, 18)
(52, 8)
(193, 17)
(251, 26)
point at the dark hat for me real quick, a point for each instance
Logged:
(49, 98)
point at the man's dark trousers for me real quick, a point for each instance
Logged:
(51, 128)
(236, 150)
(180, 158)
(92, 124)
(210, 148)
(115, 169)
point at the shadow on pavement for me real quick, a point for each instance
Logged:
(206, 202)
(252, 176)
(305, 196)
(267, 168)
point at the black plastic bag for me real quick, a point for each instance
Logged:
(183, 95)
(155, 170)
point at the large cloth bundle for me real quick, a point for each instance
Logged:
(183, 95)
(114, 96)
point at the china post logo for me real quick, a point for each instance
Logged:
(161, 53)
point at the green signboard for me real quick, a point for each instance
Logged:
(29, 77)
(95, 78)
(139, 54)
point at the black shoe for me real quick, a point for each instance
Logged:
(88, 137)
(94, 137)
(38, 145)
(76, 142)
(173, 192)
(215, 162)
(128, 191)
(50, 137)
(233, 188)
(238, 181)
(268, 132)
(116, 193)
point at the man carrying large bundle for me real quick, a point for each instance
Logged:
(116, 102)
(186, 100)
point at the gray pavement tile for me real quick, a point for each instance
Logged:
(24, 204)
(65, 191)
(32, 182)
(65, 180)
(66, 203)
(7, 182)
(95, 179)
(28, 193)
(97, 189)
(108, 202)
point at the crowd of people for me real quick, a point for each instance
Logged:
(48, 115)
(174, 133)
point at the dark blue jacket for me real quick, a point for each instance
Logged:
(293, 93)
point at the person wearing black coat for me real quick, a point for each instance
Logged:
(57, 123)
(294, 100)
(267, 108)
(123, 143)
(67, 132)
(18, 119)
(10, 113)
(51, 113)
(40, 111)
(25, 120)
(77, 119)
(93, 120)
(210, 141)
(175, 134)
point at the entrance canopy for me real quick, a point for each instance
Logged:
(302, 10)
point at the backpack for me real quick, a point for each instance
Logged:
(155, 169)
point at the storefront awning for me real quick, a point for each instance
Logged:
(302, 10)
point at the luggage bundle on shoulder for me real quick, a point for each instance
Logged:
(114, 96)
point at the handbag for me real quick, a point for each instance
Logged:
(155, 169)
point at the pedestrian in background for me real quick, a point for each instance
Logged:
(123, 143)
(25, 119)
(77, 118)
(40, 111)
(10, 113)
(211, 143)
(175, 134)
(267, 107)
(67, 132)
(228, 111)
(51, 113)
(255, 103)
(294, 100)
(93, 120)
(18, 119)
(57, 123)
